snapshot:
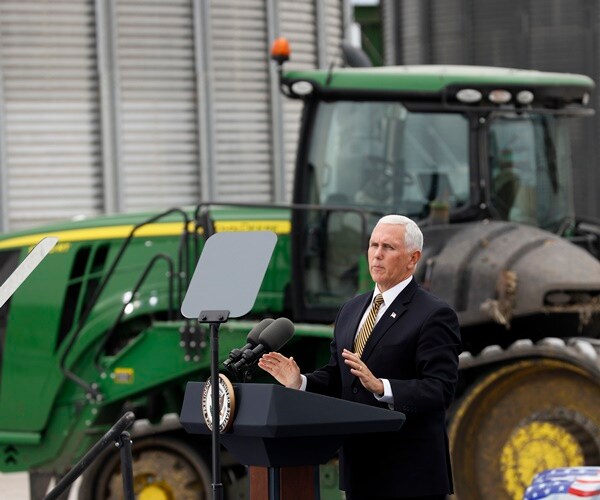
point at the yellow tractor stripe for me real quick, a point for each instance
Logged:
(156, 229)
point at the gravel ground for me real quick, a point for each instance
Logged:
(16, 487)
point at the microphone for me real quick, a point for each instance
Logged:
(272, 338)
(252, 341)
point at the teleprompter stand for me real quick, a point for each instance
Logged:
(215, 318)
(283, 434)
(225, 284)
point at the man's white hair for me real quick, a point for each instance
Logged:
(413, 237)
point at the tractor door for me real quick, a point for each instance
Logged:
(329, 261)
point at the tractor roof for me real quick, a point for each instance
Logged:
(434, 78)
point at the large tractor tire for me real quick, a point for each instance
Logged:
(163, 469)
(519, 420)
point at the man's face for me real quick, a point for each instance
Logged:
(389, 262)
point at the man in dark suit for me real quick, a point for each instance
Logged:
(407, 362)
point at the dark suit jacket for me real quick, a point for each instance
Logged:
(417, 351)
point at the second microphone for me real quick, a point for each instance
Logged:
(272, 338)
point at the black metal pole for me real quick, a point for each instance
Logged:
(217, 486)
(123, 423)
(214, 318)
(124, 444)
(274, 474)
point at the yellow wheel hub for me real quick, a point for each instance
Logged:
(155, 492)
(533, 448)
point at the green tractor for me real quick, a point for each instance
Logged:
(479, 156)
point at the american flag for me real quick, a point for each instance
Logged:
(566, 483)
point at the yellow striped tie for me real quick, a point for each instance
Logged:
(367, 328)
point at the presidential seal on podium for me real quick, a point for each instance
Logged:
(226, 403)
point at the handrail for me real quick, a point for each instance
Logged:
(91, 389)
(116, 433)
(109, 335)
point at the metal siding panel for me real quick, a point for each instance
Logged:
(298, 23)
(558, 12)
(390, 29)
(499, 34)
(48, 59)
(334, 29)
(157, 103)
(558, 31)
(52, 117)
(241, 101)
(558, 49)
(411, 29)
(448, 23)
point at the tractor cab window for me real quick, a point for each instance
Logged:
(529, 164)
(382, 157)
(367, 159)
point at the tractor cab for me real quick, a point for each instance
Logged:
(441, 144)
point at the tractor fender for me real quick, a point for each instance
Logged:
(494, 271)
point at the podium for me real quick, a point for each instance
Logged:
(283, 434)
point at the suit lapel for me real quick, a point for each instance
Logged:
(349, 331)
(392, 314)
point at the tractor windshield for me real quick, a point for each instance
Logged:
(529, 165)
(382, 157)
